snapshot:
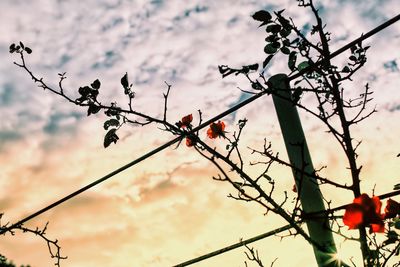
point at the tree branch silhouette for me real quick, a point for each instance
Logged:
(52, 245)
(315, 75)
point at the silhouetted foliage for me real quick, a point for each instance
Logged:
(5, 263)
(52, 245)
(311, 72)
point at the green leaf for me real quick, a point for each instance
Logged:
(285, 23)
(28, 50)
(280, 12)
(253, 67)
(392, 237)
(262, 15)
(225, 70)
(297, 94)
(276, 44)
(84, 91)
(93, 109)
(292, 60)
(285, 32)
(273, 28)
(124, 81)
(271, 38)
(266, 176)
(96, 84)
(346, 69)
(303, 65)
(397, 224)
(94, 93)
(396, 187)
(267, 60)
(113, 111)
(111, 137)
(256, 85)
(296, 40)
(285, 50)
(270, 49)
(111, 122)
(353, 58)
(286, 42)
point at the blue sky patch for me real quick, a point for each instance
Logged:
(391, 66)
(53, 125)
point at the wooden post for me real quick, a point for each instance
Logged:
(299, 157)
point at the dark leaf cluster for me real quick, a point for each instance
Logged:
(127, 87)
(89, 96)
(111, 137)
(226, 71)
(5, 263)
(278, 29)
(115, 113)
(358, 54)
(303, 3)
(19, 48)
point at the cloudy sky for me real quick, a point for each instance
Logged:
(167, 209)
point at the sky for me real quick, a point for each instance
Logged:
(168, 209)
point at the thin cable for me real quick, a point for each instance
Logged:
(237, 245)
(352, 43)
(273, 232)
(173, 141)
(130, 164)
(367, 35)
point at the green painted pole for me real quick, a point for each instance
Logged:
(299, 157)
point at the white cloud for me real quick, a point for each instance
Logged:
(48, 147)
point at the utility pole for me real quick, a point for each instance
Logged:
(308, 189)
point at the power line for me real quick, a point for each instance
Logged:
(237, 245)
(173, 141)
(355, 41)
(367, 35)
(130, 164)
(278, 230)
(273, 232)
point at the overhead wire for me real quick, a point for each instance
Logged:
(194, 130)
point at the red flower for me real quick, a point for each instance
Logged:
(294, 188)
(353, 216)
(216, 130)
(392, 209)
(190, 142)
(185, 121)
(365, 211)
